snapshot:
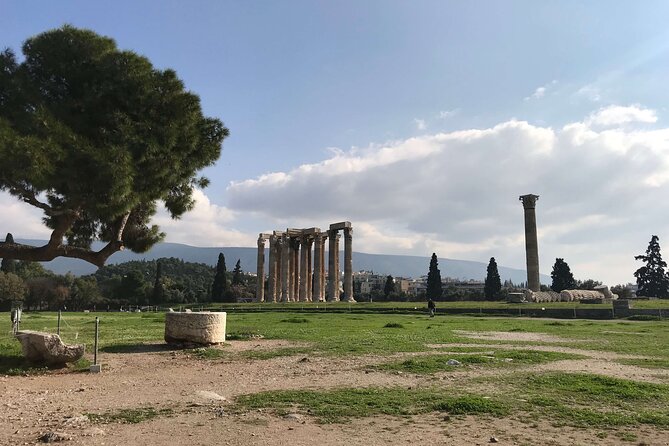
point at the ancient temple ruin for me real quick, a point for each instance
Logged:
(297, 265)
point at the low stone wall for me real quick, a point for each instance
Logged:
(47, 348)
(198, 328)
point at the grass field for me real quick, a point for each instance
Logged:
(346, 334)
(576, 399)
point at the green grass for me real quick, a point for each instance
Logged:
(129, 416)
(586, 400)
(581, 400)
(340, 334)
(500, 358)
(340, 405)
(208, 353)
(649, 363)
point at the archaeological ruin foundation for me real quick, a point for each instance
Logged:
(296, 270)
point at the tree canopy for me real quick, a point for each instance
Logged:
(95, 137)
(493, 283)
(562, 277)
(651, 278)
(434, 289)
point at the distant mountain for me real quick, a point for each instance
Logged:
(395, 265)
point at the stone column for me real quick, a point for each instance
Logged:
(531, 244)
(296, 270)
(260, 270)
(348, 264)
(310, 274)
(285, 268)
(318, 267)
(323, 276)
(271, 278)
(337, 263)
(332, 266)
(291, 269)
(304, 274)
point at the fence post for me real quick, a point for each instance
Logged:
(58, 329)
(96, 368)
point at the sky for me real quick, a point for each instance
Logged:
(421, 122)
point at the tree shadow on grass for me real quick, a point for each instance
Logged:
(17, 365)
(142, 348)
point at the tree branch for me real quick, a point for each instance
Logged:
(55, 248)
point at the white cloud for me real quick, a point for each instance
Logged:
(615, 115)
(420, 124)
(20, 219)
(206, 225)
(590, 92)
(540, 92)
(457, 193)
(445, 114)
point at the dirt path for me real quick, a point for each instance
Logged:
(197, 391)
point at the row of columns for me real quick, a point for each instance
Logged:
(297, 265)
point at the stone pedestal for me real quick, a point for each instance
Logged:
(198, 328)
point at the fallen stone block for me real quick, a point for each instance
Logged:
(48, 348)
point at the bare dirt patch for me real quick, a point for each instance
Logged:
(194, 394)
(512, 336)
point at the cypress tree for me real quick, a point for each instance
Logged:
(652, 279)
(389, 287)
(493, 284)
(434, 279)
(8, 265)
(158, 294)
(562, 277)
(237, 277)
(219, 288)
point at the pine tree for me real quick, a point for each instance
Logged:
(219, 289)
(158, 294)
(434, 279)
(651, 279)
(389, 287)
(493, 284)
(8, 265)
(237, 276)
(562, 277)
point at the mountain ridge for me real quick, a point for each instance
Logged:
(386, 264)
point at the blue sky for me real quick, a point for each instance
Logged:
(421, 122)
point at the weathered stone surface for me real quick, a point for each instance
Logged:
(47, 348)
(576, 295)
(198, 328)
(541, 296)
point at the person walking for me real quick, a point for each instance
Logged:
(431, 307)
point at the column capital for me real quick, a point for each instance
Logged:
(529, 200)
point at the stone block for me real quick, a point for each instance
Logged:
(197, 328)
(48, 348)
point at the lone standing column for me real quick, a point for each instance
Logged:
(348, 264)
(531, 243)
(332, 266)
(260, 288)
